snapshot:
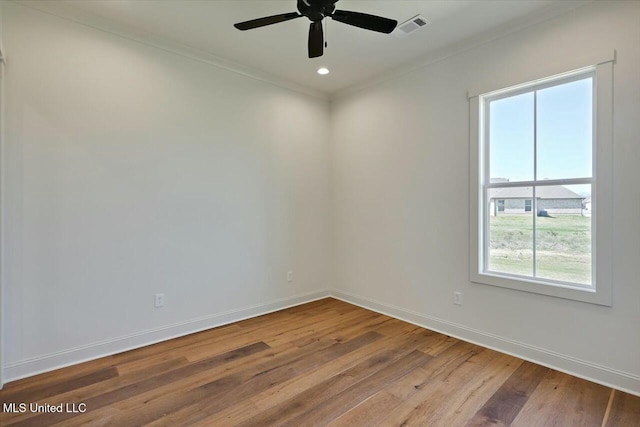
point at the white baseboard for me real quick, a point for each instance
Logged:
(619, 380)
(623, 381)
(72, 356)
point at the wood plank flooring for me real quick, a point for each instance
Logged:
(322, 363)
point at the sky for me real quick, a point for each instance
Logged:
(564, 133)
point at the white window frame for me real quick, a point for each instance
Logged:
(600, 291)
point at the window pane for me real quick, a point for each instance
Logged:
(564, 126)
(511, 138)
(563, 233)
(510, 233)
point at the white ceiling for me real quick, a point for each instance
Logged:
(353, 55)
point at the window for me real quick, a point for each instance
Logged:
(527, 205)
(539, 146)
(539, 153)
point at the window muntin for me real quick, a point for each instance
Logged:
(538, 145)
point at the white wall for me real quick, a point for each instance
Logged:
(400, 188)
(131, 171)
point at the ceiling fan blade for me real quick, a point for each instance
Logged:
(366, 21)
(316, 39)
(267, 20)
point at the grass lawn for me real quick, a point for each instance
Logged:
(563, 246)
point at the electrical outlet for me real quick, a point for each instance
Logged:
(289, 276)
(457, 298)
(159, 300)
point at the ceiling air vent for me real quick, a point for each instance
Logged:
(411, 25)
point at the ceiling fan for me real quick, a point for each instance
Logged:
(316, 11)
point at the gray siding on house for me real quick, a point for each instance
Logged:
(555, 199)
(549, 204)
(512, 206)
(552, 206)
(561, 206)
(517, 204)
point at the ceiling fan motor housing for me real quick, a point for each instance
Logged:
(316, 10)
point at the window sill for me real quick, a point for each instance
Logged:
(576, 293)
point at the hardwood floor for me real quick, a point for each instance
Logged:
(322, 363)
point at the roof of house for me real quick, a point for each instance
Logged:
(542, 192)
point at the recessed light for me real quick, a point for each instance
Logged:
(323, 71)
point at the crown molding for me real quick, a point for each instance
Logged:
(470, 43)
(72, 14)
